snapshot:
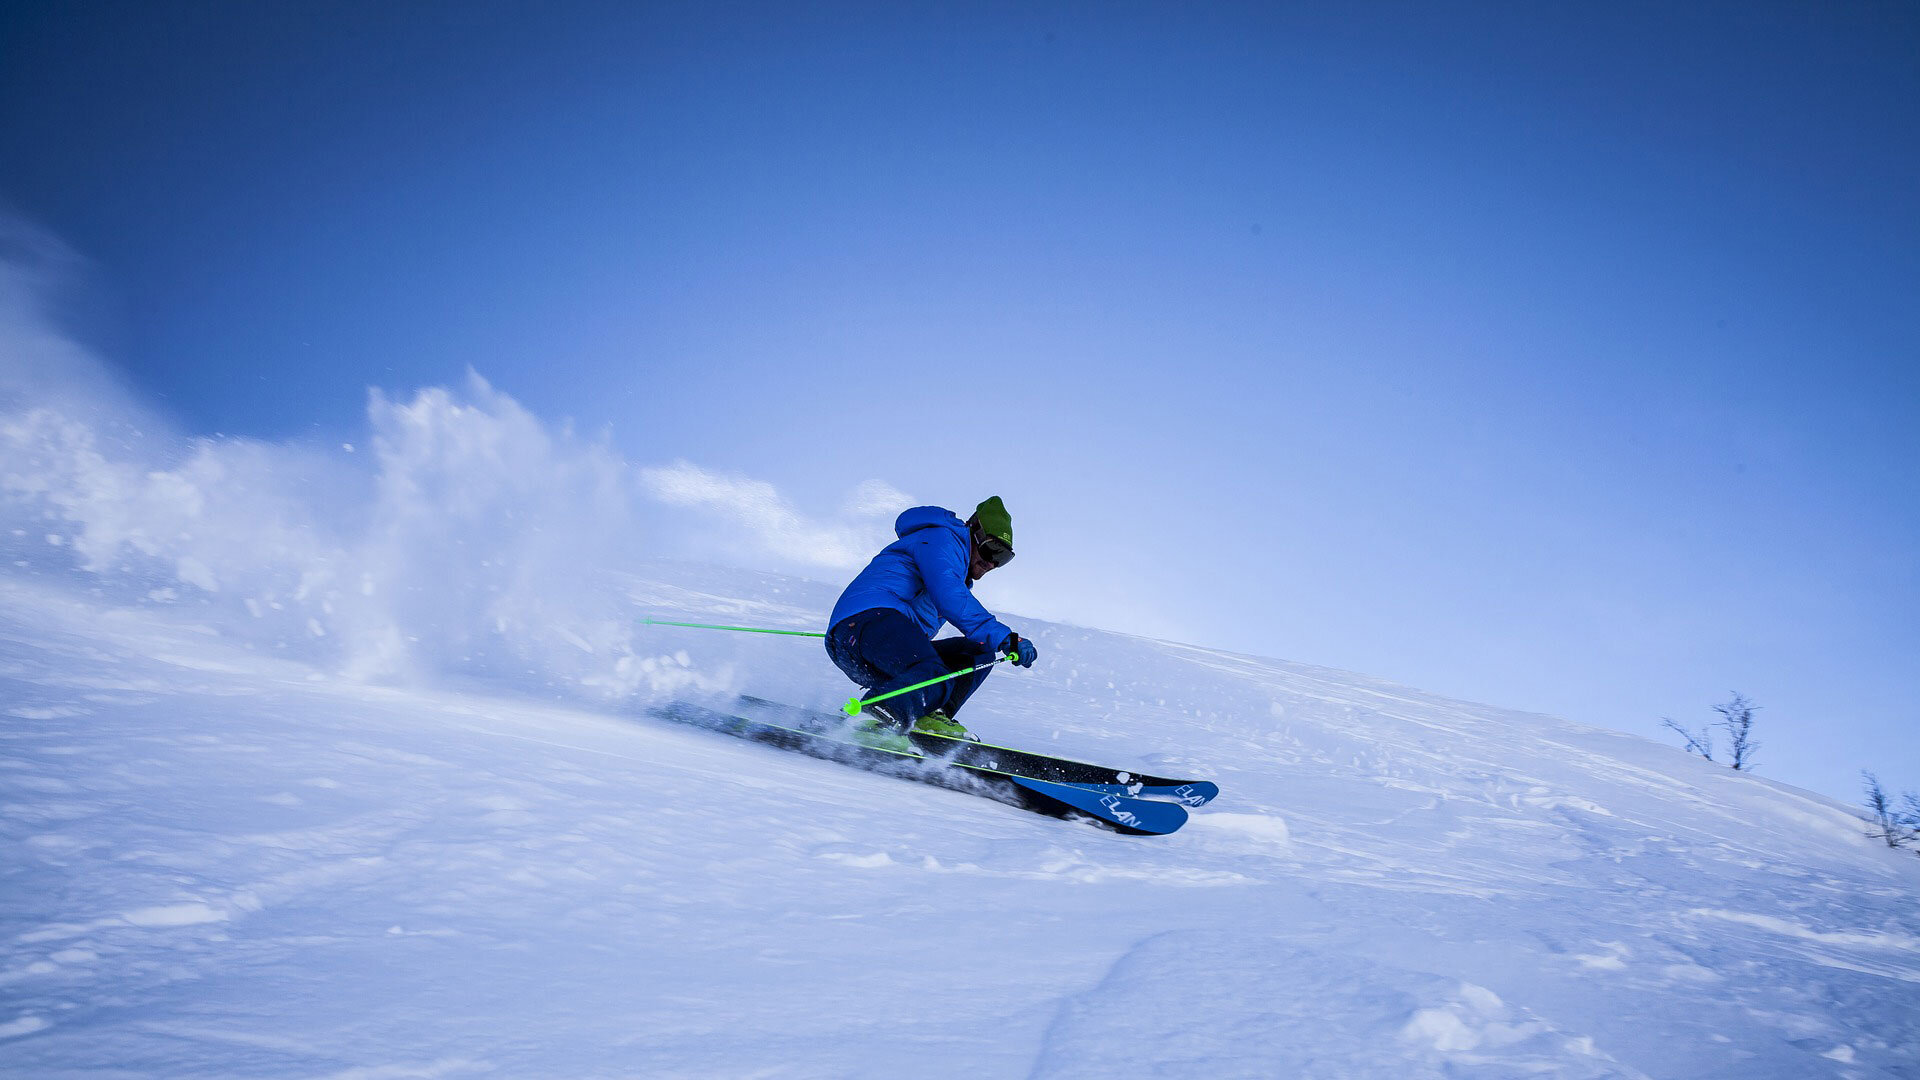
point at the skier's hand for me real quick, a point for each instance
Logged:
(1024, 654)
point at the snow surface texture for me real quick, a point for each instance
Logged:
(219, 863)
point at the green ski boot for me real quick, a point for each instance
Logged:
(939, 723)
(880, 729)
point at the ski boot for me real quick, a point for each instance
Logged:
(939, 723)
(879, 728)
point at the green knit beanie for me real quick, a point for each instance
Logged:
(994, 520)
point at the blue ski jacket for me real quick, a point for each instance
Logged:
(923, 574)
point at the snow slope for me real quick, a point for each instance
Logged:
(221, 859)
(337, 764)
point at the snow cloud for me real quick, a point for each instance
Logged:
(475, 539)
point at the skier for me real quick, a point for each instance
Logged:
(881, 629)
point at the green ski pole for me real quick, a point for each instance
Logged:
(854, 704)
(742, 629)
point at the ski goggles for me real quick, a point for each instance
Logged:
(996, 551)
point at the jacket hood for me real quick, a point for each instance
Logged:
(927, 517)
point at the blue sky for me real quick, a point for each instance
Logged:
(1563, 359)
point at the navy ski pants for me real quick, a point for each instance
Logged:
(882, 649)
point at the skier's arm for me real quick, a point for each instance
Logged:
(943, 566)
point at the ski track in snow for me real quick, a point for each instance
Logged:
(220, 864)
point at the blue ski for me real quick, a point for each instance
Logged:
(1114, 809)
(1058, 770)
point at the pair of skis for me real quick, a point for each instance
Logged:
(1125, 801)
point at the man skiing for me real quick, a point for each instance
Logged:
(882, 628)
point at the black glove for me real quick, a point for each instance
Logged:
(1024, 654)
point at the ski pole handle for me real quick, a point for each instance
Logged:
(854, 704)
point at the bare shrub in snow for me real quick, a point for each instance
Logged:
(1736, 719)
(1897, 827)
(1697, 743)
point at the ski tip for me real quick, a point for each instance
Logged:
(1147, 817)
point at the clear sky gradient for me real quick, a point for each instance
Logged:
(1562, 358)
